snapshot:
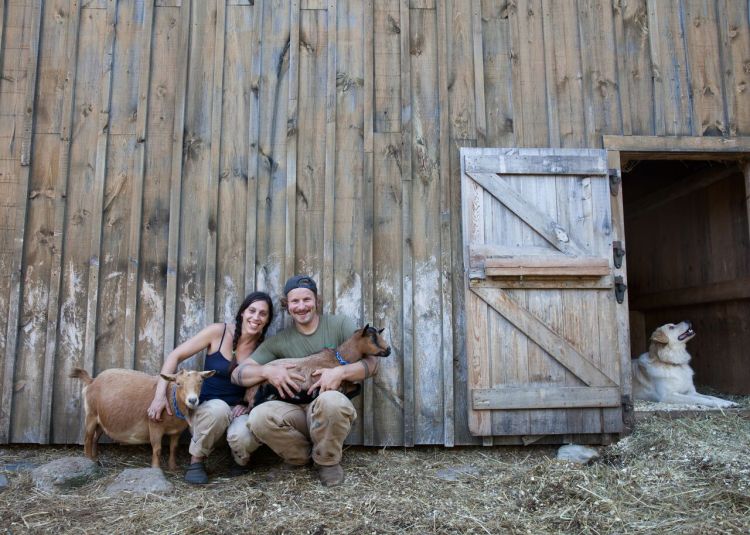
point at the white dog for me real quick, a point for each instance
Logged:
(663, 374)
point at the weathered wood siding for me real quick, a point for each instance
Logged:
(160, 158)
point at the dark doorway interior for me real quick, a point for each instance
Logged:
(688, 257)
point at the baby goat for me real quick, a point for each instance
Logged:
(117, 401)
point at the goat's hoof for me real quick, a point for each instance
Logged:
(331, 476)
(196, 474)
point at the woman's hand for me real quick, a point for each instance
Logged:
(286, 382)
(239, 410)
(157, 406)
(328, 379)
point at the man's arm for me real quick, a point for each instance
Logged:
(331, 378)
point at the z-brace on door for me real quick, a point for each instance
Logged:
(540, 303)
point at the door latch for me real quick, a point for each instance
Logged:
(618, 252)
(615, 178)
(620, 288)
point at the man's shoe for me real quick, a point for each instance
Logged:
(331, 476)
(196, 474)
(236, 470)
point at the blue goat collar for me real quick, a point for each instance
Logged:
(341, 359)
(175, 406)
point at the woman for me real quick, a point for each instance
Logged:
(221, 401)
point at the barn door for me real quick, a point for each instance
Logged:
(540, 300)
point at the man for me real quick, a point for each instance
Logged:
(317, 430)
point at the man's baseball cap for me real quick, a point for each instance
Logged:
(300, 281)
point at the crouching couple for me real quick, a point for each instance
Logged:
(296, 433)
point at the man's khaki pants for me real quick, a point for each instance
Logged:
(295, 432)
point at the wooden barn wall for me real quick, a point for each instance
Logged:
(160, 158)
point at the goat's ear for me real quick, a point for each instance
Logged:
(168, 376)
(364, 331)
(208, 373)
(660, 337)
(380, 331)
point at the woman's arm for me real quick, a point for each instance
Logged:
(185, 350)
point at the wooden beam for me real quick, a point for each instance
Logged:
(696, 295)
(684, 147)
(521, 266)
(515, 162)
(480, 110)
(530, 283)
(551, 342)
(327, 285)
(546, 397)
(695, 182)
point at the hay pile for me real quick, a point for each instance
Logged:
(670, 476)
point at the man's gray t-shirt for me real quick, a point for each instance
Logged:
(332, 331)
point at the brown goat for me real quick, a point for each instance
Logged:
(117, 401)
(365, 342)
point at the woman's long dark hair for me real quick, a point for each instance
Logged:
(249, 300)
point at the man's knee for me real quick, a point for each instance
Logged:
(272, 416)
(334, 404)
(213, 412)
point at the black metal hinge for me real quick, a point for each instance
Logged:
(618, 253)
(620, 288)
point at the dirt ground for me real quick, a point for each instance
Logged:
(688, 475)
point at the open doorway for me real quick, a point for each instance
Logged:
(688, 251)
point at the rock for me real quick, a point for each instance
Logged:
(457, 473)
(22, 466)
(575, 453)
(64, 474)
(140, 481)
(3, 481)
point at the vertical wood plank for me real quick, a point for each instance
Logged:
(459, 67)
(734, 32)
(253, 139)
(291, 141)
(164, 80)
(480, 115)
(272, 176)
(446, 256)
(136, 204)
(311, 152)
(704, 65)
(407, 272)
(672, 107)
(198, 201)
(387, 92)
(498, 74)
(350, 172)
(234, 178)
(327, 290)
(635, 69)
(368, 271)
(16, 222)
(78, 160)
(175, 188)
(214, 164)
(599, 65)
(103, 114)
(530, 98)
(387, 405)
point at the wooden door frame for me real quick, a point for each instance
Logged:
(621, 149)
